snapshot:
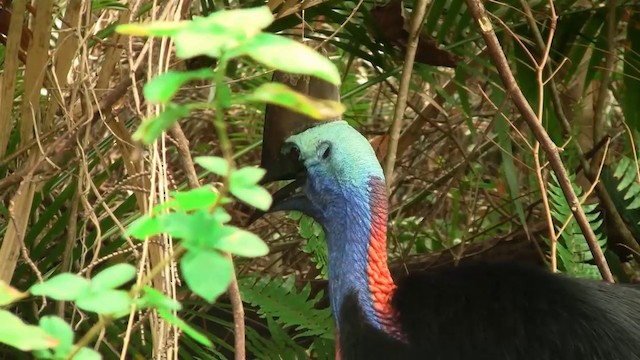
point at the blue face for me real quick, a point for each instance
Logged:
(339, 162)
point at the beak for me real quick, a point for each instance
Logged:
(289, 197)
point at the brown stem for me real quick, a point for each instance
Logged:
(548, 146)
(605, 199)
(417, 19)
(238, 317)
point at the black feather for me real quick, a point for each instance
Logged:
(502, 311)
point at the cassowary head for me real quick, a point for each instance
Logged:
(331, 163)
(333, 167)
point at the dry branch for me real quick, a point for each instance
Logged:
(549, 147)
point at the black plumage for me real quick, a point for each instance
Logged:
(500, 311)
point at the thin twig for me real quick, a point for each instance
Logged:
(549, 147)
(601, 191)
(417, 19)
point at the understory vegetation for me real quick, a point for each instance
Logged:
(130, 132)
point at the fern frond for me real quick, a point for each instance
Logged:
(572, 246)
(316, 246)
(278, 299)
(623, 186)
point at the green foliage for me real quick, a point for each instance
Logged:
(98, 296)
(279, 94)
(278, 299)
(9, 294)
(97, 5)
(421, 212)
(623, 185)
(628, 183)
(59, 329)
(195, 217)
(316, 245)
(228, 35)
(16, 333)
(573, 250)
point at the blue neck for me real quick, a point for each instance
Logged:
(348, 232)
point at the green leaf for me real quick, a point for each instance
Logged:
(223, 95)
(163, 87)
(62, 287)
(214, 164)
(113, 277)
(255, 196)
(155, 299)
(243, 243)
(221, 31)
(246, 177)
(282, 95)
(110, 302)
(306, 227)
(144, 227)
(9, 294)
(201, 198)
(189, 227)
(288, 55)
(210, 42)
(157, 28)
(152, 128)
(59, 329)
(14, 332)
(208, 240)
(208, 273)
(87, 354)
(240, 21)
(98, 5)
(193, 333)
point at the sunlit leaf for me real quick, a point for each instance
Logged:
(214, 164)
(221, 31)
(208, 273)
(200, 198)
(110, 302)
(113, 277)
(87, 354)
(157, 28)
(243, 243)
(14, 332)
(143, 227)
(247, 176)
(62, 331)
(282, 95)
(9, 294)
(152, 128)
(64, 286)
(246, 21)
(286, 54)
(255, 196)
(163, 87)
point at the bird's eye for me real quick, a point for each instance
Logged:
(293, 152)
(326, 151)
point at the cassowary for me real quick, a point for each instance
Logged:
(487, 311)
